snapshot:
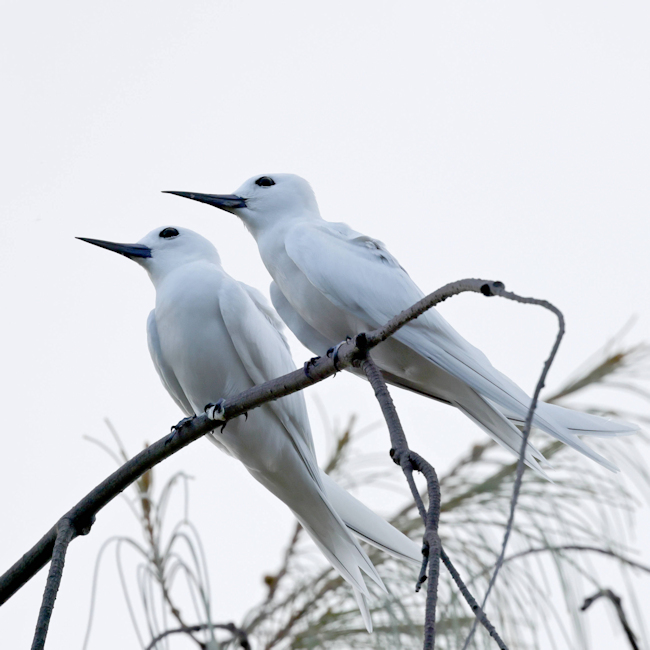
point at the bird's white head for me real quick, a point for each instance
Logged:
(164, 249)
(263, 201)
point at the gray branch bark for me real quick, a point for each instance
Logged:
(432, 550)
(64, 536)
(410, 461)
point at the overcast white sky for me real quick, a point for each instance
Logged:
(506, 140)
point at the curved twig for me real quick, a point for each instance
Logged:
(410, 461)
(577, 547)
(230, 627)
(524, 441)
(616, 601)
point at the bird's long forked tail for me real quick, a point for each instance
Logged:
(588, 424)
(561, 423)
(567, 425)
(500, 429)
(330, 534)
(368, 525)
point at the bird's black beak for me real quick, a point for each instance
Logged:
(128, 250)
(227, 202)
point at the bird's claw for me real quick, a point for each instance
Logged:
(181, 424)
(308, 365)
(216, 411)
(177, 428)
(334, 352)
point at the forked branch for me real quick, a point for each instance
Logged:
(355, 351)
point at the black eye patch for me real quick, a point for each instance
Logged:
(264, 181)
(167, 233)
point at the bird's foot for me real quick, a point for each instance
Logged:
(216, 412)
(309, 364)
(334, 352)
(181, 424)
(177, 428)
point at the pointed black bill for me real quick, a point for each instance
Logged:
(128, 250)
(227, 202)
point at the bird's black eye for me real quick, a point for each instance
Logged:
(167, 233)
(264, 181)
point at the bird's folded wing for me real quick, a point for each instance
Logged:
(166, 374)
(305, 333)
(264, 353)
(354, 272)
(263, 305)
(359, 275)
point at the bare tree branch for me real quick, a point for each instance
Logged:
(471, 601)
(64, 536)
(83, 513)
(486, 287)
(616, 601)
(353, 351)
(410, 461)
(432, 548)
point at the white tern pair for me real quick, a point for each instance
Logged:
(330, 282)
(212, 337)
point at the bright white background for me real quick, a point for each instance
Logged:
(505, 140)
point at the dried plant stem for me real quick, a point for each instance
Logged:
(580, 548)
(274, 581)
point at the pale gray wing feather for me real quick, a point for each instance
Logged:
(264, 354)
(263, 305)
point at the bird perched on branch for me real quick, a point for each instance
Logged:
(331, 282)
(212, 337)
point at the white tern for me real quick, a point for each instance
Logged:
(213, 337)
(330, 282)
